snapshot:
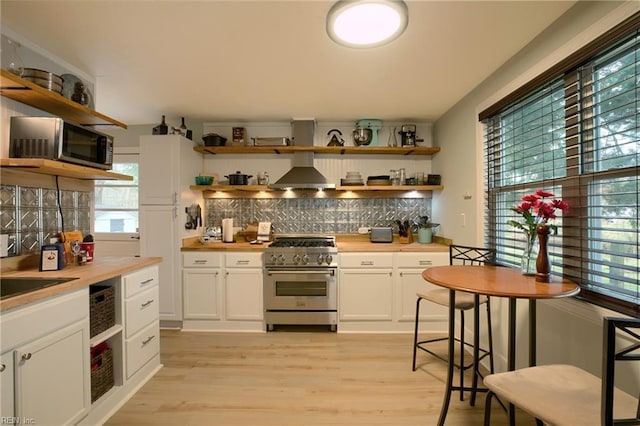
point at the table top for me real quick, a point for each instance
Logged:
(498, 281)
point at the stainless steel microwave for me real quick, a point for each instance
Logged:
(56, 139)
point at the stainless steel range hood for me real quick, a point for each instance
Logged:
(302, 175)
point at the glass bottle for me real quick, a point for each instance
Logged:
(162, 128)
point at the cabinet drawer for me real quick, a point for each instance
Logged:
(243, 260)
(142, 347)
(138, 281)
(366, 260)
(422, 260)
(141, 310)
(201, 260)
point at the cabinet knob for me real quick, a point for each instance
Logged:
(26, 357)
(2, 368)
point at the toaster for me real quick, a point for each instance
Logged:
(381, 235)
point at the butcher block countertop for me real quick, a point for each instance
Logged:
(346, 243)
(102, 268)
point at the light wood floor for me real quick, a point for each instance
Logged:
(293, 377)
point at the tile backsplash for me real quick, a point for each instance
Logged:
(31, 216)
(312, 215)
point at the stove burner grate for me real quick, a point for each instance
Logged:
(303, 242)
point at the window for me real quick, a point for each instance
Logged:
(576, 133)
(116, 201)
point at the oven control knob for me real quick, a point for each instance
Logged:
(328, 258)
(320, 259)
(296, 258)
(281, 259)
(305, 259)
(273, 258)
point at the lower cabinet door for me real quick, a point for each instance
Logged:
(142, 347)
(52, 377)
(365, 295)
(243, 292)
(6, 385)
(202, 294)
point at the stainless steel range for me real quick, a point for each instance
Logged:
(300, 283)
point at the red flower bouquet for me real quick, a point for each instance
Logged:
(536, 210)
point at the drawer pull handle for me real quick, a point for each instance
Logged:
(150, 338)
(200, 261)
(26, 357)
(366, 263)
(242, 262)
(147, 303)
(425, 262)
(150, 280)
(2, 368)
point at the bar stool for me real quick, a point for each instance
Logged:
(464, 255)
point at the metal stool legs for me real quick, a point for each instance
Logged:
(417, 345)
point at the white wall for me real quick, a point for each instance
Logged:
(568, 331)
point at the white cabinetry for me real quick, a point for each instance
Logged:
(6, 384)
(168, 165)
(377, 291)
(157, 236)
(409, 268)
(223, 291)
(141, 320)
(365, 287)
(243, 286)
(202, 285)
(134, 340)
(42, 366)
(46, 344)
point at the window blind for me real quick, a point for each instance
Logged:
(577, 136)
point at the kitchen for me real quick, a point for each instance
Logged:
(460, 217)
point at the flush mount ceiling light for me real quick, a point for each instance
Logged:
(367, 23)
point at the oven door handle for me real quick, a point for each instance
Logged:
(331, 272)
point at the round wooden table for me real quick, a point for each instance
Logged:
(498, 282)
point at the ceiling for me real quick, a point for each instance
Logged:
(272, 60)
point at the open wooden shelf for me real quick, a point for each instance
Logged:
(358, 188)
(390, 188)
(399, 150)
(18, 89)
(59, 168)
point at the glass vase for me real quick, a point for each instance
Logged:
(529, 256)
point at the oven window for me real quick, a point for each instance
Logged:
(301, 288)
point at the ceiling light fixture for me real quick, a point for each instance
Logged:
(367, 23)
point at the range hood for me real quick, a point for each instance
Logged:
(302, 175)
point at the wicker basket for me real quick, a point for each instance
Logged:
(102, 309)
(102, 376)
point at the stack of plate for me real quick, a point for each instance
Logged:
(353, 178)
(46, 79)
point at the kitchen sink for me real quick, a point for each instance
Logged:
(13, 286)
